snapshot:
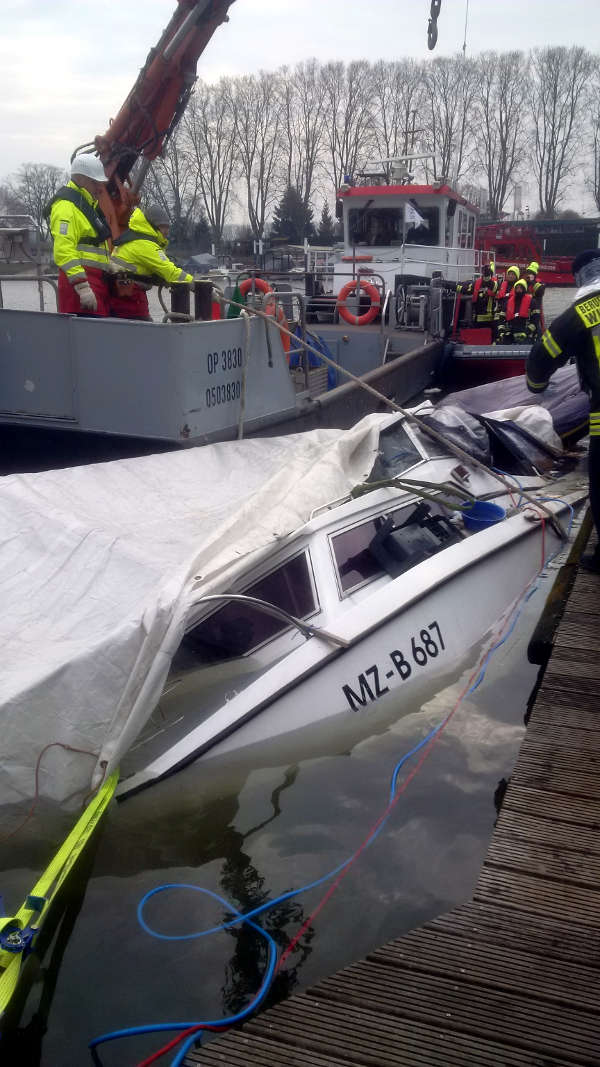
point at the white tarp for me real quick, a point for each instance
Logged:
(98, 566)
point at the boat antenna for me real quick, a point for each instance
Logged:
(464, 47)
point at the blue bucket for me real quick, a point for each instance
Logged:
(482, 514)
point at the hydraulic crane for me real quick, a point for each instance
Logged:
(154, 106)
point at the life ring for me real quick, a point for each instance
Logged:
(258, 283)
(357, 259)
(371, 291)
(272, 307)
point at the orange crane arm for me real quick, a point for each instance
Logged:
(155, 104)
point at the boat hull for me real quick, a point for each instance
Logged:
(470, 365)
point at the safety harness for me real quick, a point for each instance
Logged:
(95, 218)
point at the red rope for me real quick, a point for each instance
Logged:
(176, 1040)
(36, 795)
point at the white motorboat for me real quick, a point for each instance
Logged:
(375, 595)
(193, 603)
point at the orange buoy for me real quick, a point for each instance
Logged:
(371, 291)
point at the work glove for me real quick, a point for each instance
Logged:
(86, 296)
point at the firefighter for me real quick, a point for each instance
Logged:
(518, 324)
(499, 329)
(576, 333)
(482, 292)
(139, 261)
(536, 290)
(80, 232)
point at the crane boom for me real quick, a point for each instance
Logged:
(155, 104)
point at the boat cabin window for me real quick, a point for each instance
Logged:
(236, 628)
(390, 544)
(384, 227)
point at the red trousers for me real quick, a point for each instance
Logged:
(68, 300)
(130, 307)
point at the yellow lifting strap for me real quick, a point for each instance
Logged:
(18, 933)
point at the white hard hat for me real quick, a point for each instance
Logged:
(88, 165)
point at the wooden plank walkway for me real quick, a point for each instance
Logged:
(511, 979)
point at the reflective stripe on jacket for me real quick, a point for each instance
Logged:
(74, 237)
(574, 334)
(140, 251)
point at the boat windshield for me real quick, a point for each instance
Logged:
(384, 226)
(235, 629)
(390, 544)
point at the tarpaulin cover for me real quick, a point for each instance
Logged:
(564, 399)
(99, 565)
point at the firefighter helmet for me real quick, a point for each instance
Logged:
(533, 267)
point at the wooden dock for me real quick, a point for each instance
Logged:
(511, 979)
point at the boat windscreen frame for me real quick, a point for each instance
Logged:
(390, 508)
(244, 591)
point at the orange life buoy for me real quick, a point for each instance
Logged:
(357, 259)
(371, 291)
(272, 307)
(259, 283)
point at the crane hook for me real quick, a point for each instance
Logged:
(432, 30)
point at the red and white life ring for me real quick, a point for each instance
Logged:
(257, 283)
(371, 291)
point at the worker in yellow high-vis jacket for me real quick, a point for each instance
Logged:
(79, 234)
(140, 258)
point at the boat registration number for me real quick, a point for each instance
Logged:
(402, 663)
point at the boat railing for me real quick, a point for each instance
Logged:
(40, 278)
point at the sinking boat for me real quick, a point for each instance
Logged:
(151, 622)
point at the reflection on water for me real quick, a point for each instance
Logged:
(250, 832)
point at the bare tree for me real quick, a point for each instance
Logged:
(257, 104)
(304, 117)
(398, 95)
(172, 181)
(449, 85)
(499, 133)
(593, 182)
(560, 77)
(211, 131)
(349, 132)
(33, 186)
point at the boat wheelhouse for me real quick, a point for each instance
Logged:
(402, 232)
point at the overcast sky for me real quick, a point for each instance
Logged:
(67, 65)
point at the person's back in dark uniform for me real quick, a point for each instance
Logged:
(576, 334)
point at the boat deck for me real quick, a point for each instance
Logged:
(511, 978)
